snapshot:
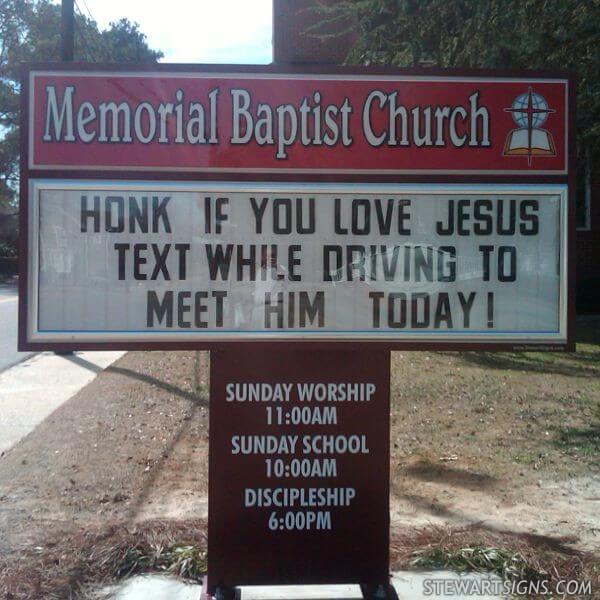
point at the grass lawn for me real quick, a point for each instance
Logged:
(511, 416)
(494, 461)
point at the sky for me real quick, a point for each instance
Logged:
(195, 31)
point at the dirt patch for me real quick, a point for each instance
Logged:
(137, 433)
(504, 442)
(509, 440)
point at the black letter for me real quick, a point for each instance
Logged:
(153, 306)
(449, 230)
(86, 214)
(534, 227)
(159, 211)
(120, 226)
(121, 248)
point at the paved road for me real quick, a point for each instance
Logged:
(8, 328)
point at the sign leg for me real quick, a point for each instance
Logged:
(219, 593)
(383, 591)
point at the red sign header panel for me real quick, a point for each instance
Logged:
(268, 122)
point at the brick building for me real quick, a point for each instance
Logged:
(291, 44)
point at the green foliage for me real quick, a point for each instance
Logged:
(29, 32)
(124, 42)
(188, 562)
(523, 34)
(504, 563)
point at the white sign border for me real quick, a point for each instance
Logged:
(36, 186)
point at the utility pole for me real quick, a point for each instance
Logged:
(67, 30)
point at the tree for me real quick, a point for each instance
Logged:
(29, 32)
(523, 34)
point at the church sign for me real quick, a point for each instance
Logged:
(186, 207)
(299, 224)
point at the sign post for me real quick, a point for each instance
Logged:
(299, 467)
(300, 224)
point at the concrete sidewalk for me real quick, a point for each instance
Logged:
(9, 355)
(409, 585)
(33, 389)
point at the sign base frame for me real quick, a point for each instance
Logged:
(384, 591)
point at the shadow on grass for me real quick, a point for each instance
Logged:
(456, 518)
(583, 363)
(571, 365)
(583, 440)
(168, 387)
(426, 471)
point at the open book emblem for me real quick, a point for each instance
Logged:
(529, 111)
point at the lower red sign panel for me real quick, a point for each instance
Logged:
(299, 468)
